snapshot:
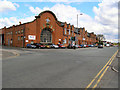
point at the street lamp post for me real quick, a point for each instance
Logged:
(77, 19)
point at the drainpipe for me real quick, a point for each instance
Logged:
(24, 37)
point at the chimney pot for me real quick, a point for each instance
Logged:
(19, 22)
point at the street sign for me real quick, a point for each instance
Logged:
(31, 37)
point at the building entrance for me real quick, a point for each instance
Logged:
(46, 36)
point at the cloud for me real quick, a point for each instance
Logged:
(70, 1)
(36, 10)
(14, 21)
(17, 5)
(105, 21)
(7, 6)
(107, 15)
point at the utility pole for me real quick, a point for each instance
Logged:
(77, 20)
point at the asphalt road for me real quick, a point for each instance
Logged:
(6, 54)
(57, 68)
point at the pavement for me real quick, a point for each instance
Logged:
(53, 68)
(110, 80)
(118, 55)
(6, 54)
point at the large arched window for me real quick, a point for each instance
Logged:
(46, 35)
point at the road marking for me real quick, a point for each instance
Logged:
(15, 53)
(103, 73)
(109, 62)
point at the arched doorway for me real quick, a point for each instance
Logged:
(46, 35)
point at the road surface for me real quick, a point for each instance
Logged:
(59, 68)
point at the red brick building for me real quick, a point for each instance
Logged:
(46, 29)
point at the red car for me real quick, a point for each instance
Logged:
(87, 46)
(40, 45)
(61, 46)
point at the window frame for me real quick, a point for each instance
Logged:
(19, 32)
(22, 31)
(16, 32)
(69, 31)
(18, 38)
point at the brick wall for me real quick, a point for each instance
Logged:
(17, 36)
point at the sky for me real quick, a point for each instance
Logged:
(98, 16)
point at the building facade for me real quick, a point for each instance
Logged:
(46, 29)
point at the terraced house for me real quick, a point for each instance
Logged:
(46, 29)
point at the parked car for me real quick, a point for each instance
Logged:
(81, 46)
(30, 46)
(54, 46)
(84, 46)
(39, 45)
(111, 44)
(48, 45)
(61, 46)
(76, 46)
(42, 45)
(100, 46)
(91, 45)
(87, 46)
(107, 45)
(95, 45)
(70, 46)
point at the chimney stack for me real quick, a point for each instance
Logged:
(20, 22)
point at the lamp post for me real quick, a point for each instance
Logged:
(77, 19)
(77, 23)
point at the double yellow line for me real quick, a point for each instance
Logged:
(102, 72)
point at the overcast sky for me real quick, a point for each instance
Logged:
(99, 16)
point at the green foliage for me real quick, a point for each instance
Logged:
(118, 44)
(100, 43)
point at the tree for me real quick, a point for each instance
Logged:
(100, 37)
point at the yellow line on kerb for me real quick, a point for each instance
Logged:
(104, 72)
(110, 60)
